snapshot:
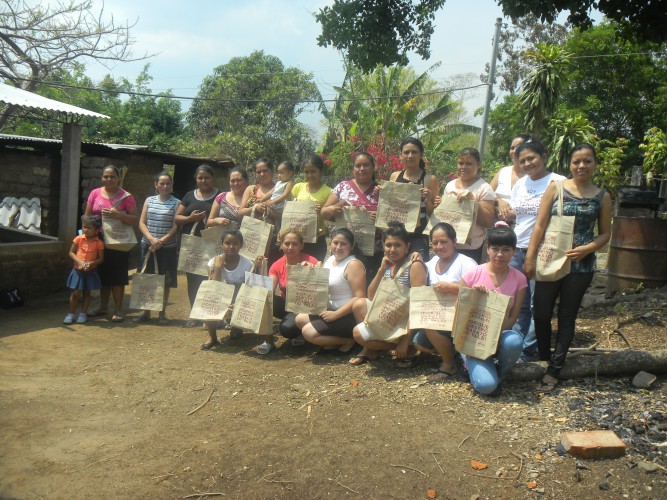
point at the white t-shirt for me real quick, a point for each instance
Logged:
(236, 276)
(482, 191)
(504, 189)
(461, 265)
(526, 198)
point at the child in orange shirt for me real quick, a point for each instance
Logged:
(87, 252)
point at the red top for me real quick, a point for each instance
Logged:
(279, 270)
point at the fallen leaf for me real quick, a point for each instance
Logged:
(538, 457)
(532, 485)
(431, 493)
(475, 464)
(354, 383)
(561, 419)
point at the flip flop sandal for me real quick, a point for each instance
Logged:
(442, 375)
(207, 346)
(407, 362)
(117, 318)
(547, 387)
(361, 359)
(265, 348)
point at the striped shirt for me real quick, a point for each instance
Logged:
(160, 218)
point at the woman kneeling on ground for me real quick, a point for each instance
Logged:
(291, 243)
(486, 375)
(445, 270)
(411, 273)
(230, 267)
(332, 330)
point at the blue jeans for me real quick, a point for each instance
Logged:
(525, 324)
(486, 374)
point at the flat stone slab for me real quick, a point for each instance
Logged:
(593, 444)
(644, 380)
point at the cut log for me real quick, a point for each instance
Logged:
(627, 362)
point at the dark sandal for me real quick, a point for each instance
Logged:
(442, 375)
(359, 360)
(207, 346)
(406, 363)
(547, 387)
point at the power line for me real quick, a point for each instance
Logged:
(216, 99)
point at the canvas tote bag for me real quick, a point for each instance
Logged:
(462, 216)
(478, 321)
(430, 309)
(387, 316)
(552, 263)
(212, 301)
(399, 202)
(301, 215)
(359, 221)
(253, 307)
(212, 240)
(307, 289)
(147, 289)
(256, 236)
(193, 255)
(117, 234)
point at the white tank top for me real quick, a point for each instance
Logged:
(340, 291)
(504, 189)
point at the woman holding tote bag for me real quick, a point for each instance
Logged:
(468, 185)
(332, 330)
(486, 375)
(444, 273)
(193, 211)
(590, 205)
(112, 201)
(314, 190)
(396, 265)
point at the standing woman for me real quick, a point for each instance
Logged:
(193, 212)
(332, 330)
(526, 197)
(226, 206)
(112, 201)
(469, 184)
(313, 189)
(358, 192)
(158, 225)
(591, 206)
(254, 193)
(505, 179)
(414, 172)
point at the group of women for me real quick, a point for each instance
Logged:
(513, 212)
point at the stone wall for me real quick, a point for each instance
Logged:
(27, 174)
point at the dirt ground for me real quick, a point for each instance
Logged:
(122, 411)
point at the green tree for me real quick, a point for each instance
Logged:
(542, 86)
(567, 130)
(370, 32)
(249, 107)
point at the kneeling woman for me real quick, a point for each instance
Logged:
(332, 330)
(444, 273)
(230, 267)
(410, 274)
(496, 275)
(291, 243)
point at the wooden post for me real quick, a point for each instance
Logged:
(70, 180)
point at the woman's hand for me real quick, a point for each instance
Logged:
(463, 195)
(309, 265)
(577, 253)
(376, 190)
(219, 262)
(427, 195)
(318, 208)
(436, 201)
(111, 212)
(505, 210)
(529, 268)
(385, 264)
(481, 288)
(416, 257)
(444, 287)
(197, 216)
(403, 347)
(329, 316)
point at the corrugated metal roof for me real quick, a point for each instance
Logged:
(25, 99)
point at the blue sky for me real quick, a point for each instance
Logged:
(191, 38)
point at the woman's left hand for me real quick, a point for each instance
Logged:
(318, 208)
(329, 316)
(529, 268)
(111, 212)
(481, 288)
(463, 195)
(577, 253)
(426, 194)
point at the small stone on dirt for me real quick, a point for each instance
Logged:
(604, 486)
(643, 380)
(648, 467)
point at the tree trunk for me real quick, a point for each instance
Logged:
(627, 362)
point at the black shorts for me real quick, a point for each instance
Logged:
(340, 328)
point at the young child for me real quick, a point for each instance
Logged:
(276, 198)
(87, 252)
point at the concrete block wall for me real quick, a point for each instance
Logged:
(36, 268)
(27, 174)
